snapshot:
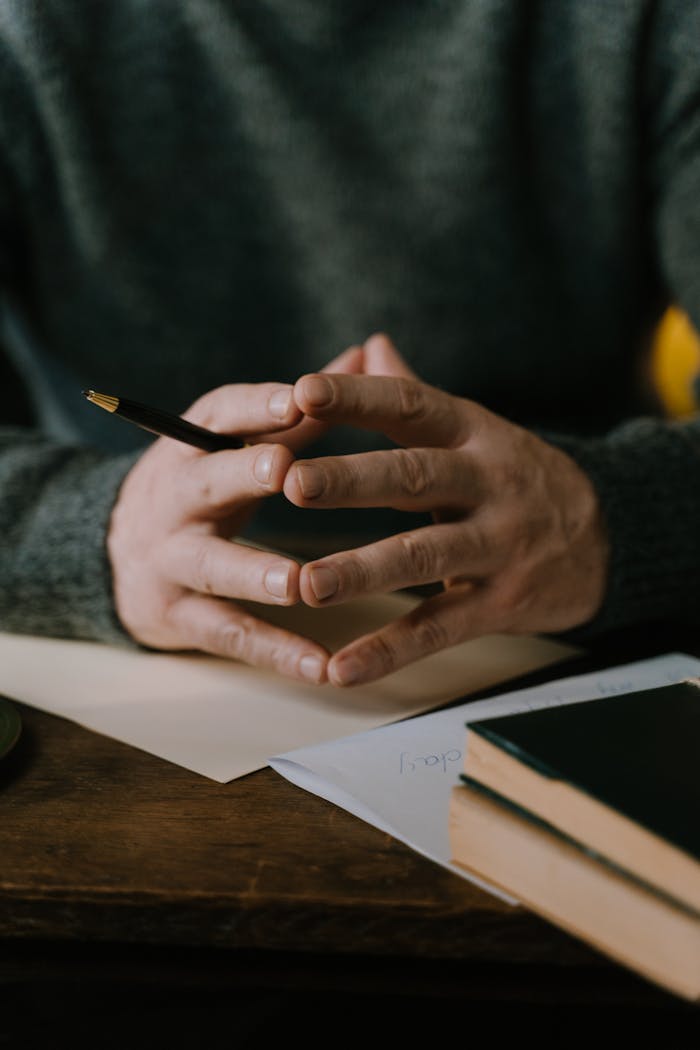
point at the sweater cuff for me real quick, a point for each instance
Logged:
(61, 584)
(647, 477)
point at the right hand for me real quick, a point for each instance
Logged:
(176, 573)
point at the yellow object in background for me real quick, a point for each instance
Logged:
(675, 363)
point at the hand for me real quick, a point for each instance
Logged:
(518, 539)
(175, 570)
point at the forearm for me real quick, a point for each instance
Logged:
(55, 505)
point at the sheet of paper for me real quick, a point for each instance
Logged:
(223, 719)
(399, 777)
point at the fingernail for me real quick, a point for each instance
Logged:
(263, 467)
(277, 581)
(311, 480)
(312, 668)
(347, 672)
(324, 582)
(278, 405)
(318, 391)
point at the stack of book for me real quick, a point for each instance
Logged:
(589, 814)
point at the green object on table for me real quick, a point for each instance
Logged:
(10, 726)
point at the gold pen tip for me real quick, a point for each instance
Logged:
(111, 404)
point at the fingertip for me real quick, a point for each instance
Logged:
(313, 392)
(319, 585)
(378, 339)
(285, 457)
(271, 465)
(294, 586)
(313, 667)
(281, 582)
(306, 593)
(282, 407)
(291, 488)
(298, 392)
(382, 357)
(345, 671)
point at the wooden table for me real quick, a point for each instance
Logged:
(141, 898)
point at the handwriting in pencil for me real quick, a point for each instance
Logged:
(412, 763)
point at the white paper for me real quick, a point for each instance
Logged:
(399, 777)
(223, 719)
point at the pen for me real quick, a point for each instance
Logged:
(164, 424)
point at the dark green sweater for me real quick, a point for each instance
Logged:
(195, 192)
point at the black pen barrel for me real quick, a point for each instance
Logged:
(167, 425)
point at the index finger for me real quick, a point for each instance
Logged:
(438, 622)
(245, 408)
(407, 410)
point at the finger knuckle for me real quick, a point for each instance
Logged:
(417, 555)
(513, 601)
(198, 480)
(352, 479)
(382, 653)
(412, 407)
(354, 575)
(415, 476)
(482, 541)
(202, 569)
(283, 661)
(428, 634)
(522, 601)
(233, 639)
(514, 478)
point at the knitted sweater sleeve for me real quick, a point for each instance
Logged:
(647, 471)
(55, 503)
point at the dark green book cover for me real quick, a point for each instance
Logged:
(638, 753)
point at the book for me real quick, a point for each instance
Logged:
(580, 892)
(619, 774)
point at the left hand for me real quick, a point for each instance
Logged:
(178, 574)
(517, 538)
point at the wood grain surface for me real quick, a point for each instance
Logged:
(115, 861)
